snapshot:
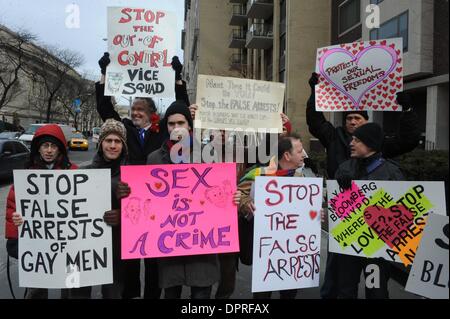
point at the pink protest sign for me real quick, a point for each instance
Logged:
(360, 76)
(179, 210)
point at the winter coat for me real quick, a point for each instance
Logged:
(367, 169)
(11, 231)
(337, 140)
(197, 271)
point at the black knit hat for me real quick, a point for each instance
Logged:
(371, 134)
(51, 139)
(362, 113)
(178, 107)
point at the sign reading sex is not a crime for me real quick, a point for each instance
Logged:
(382, 218)
(179, 210)
(360, 76)
(286, 244)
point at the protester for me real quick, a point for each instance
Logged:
(337, 144)
(143, 137)
(48, 151)
(289, 163)
(367, 163)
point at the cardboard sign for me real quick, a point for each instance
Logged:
(381, 218)
(429, 273)
(141, 43)
(238, 104)
(179, 210)
(360, 76)
(64, 242)
(286, 242)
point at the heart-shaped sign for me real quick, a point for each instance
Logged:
(356, 73)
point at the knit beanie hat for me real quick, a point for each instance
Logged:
(50, 139)
(371, 135)
(112, 126)
(178, 107)
(362, 113)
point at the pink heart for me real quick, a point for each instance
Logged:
(385, 59)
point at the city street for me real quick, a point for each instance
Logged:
(243, 284)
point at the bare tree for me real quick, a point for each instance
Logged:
(56, 69)
(14, 50)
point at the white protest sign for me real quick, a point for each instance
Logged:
(64, 242)
(141, 43)
(381, 218)
(234, 104)
(286, 242)
(360, 76)
(429, 273)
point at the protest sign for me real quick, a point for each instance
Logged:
(360, 76)
(381, 218)
(141, 43)
(286, 242)
(179, 210)
(64, 242)
(429, 273)
(234, 104)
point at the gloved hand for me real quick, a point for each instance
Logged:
(177, 67)
(345, 182)
(313, 80)
(123, 190)
(404, 100)
(112, 217)
(103, 62)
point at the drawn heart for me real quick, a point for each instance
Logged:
(202, 202)
(376, 57)
(152, 217)
(313, 214)
(158, 185)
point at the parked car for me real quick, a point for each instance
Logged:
(13, 155)
(29, 133)
(10, 135)
(78, 141)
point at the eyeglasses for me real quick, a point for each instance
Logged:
(49, 145)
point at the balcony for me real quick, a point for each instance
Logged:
(259, 36)
(238, 15)
(259, 9)
(238, 62)
(238, 1)
(237, 39)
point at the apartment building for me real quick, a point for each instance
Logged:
(423, 25)
(271, 40)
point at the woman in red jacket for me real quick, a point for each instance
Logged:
(48, 151)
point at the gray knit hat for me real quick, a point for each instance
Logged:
(112, 126)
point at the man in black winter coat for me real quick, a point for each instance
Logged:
(336, 141)
(143, 137)
(367, 163)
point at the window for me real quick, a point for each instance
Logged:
(20, 148)
(8, 147)
(349, 15)
(375, 1)
(397, 27)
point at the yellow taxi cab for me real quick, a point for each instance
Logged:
(78, 141)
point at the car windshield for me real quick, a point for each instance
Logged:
(7, 135)
(32, 129)
(77, 135)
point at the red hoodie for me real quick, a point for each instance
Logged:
(11, 231)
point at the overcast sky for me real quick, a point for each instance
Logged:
(47, 20)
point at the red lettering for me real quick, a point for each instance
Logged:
(280, 195)
(125, 11)
(123, 58)
(159, 15)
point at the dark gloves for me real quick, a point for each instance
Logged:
(177, 67)
(345, 182)
(123, 190)
(313, 81)
(112, 217)
(103, 62)
(404, 100)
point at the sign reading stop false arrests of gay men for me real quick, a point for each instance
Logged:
(360, 76)
(429, 273)
(141, 43)
(64, 242)
(179, 210)
(286, 244)
(382, 218)
(238, 104)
